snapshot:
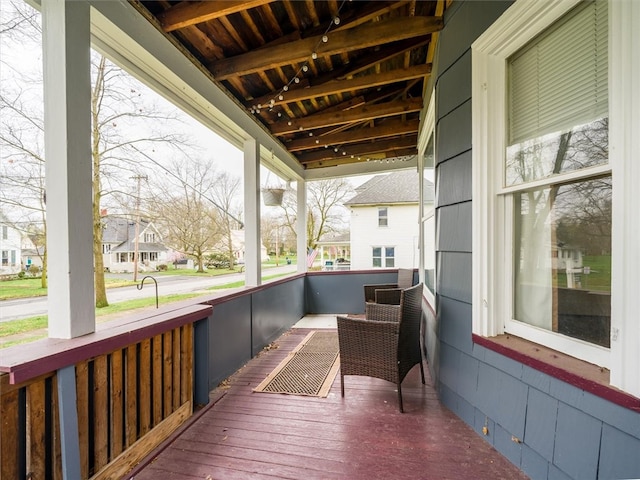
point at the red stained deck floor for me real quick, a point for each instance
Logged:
(247, 435)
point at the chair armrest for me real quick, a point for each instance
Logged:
(370, 290)
(390, 296)
(380, 312)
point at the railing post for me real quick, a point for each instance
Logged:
(68, 413)
(201, 361)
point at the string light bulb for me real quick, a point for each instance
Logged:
(305, 67)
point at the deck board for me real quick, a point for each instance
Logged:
(260, 436)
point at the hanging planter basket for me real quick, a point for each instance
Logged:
(272, 197)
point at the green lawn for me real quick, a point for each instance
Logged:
(33, 328)
(599, 277)
(36, 325)
(30, 287)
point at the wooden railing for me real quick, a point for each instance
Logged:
(128, 400)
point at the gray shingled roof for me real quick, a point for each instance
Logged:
(122, 231)
(115, 229)
(397, 187)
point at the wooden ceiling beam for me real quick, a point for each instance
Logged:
(363, 63)
(364, 36)
(359, 114)
(345, 160)
(191, 13)
(352, 84)
(388, 129)
(361, 149)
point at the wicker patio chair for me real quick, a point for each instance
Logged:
(405, 280)
(386, 343)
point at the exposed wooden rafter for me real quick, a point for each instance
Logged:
(390, 129)
(364, 36)
(191, 13)
(357, 83)
(367, 148)
(358, 98)
(319, 120)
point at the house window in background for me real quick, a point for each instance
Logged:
(5, 232)
(383, 219)
(383, 257)
(149, 237)
(5, 257)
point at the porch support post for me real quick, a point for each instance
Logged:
(252, 241)
(301, 226)
(68, 413)
(67, 107)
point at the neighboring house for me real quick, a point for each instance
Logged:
(335, 252)
(237, 240)
(384, 221)
(118, 245)
(31, 254)
(10, 247)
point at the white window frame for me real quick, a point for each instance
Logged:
(384, 217)
(383, 255)
(492, 265)
(428, 129)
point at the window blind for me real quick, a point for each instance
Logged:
(560, 79)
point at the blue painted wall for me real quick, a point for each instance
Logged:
(550, 429)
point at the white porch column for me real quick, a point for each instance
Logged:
(301, 225)
(252, 263)
(67, 99)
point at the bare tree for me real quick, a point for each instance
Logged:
(187, 213)
(22, 168)
(126, 125)
(123, 124)
(225, 194)
(325, 210)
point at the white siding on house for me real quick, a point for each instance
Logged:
(401, 233)
(10, 251)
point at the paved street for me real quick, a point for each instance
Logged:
(30, 307)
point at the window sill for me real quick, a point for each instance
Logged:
(580, 374)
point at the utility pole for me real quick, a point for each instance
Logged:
(136, 240)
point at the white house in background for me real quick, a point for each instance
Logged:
(237, 241)
(10, 247)
(31, 254)
(118, 245)
(384, 221)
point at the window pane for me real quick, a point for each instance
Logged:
(580, 147)
(377, 251)
(563, 259)
(389, 262)
(429, 252)
(382, 217)
(377, 262)
(389, 252)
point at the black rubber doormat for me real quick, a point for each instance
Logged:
(309, 369)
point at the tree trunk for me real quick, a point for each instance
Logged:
(98, 264)
(43, 279)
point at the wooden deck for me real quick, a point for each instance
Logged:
(246, 435)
